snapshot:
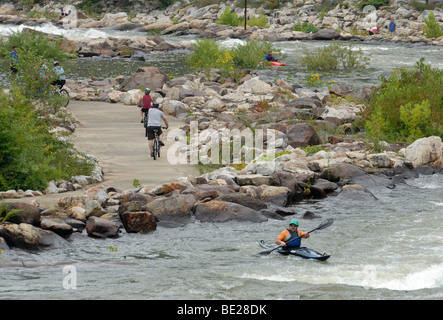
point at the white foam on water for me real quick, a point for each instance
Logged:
(431, 277)
(368, 277)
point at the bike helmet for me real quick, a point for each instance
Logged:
(156, 105)
(147, 91)
(55, 63)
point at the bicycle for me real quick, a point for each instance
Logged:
(145, 122)
(156, 144)
(61, 96)
(64, 94)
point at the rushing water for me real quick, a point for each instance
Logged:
(384, 56)
(386, 249)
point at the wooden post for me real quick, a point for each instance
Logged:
(246, 6)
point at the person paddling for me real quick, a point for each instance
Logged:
(270, 57)
(285, 237)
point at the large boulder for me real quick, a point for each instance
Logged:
(27, 236)
(355, 192)
(286, 179)
(326, 34)
(342, 171)
(303, 135)
(174, 209)
(222, 211)
(359, 93)
(22, 213)
(102, 228)
(7, 9)
(139, 222)
(244, 200)
(57, 225)
(150, 77)
(255, 85)
(276, 195)
(425, 151)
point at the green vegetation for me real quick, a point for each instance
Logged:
(30, 155)
(208, 54)
(421, 6)
(335, 56)
(6, 213)
(376, 3)
(231, 19)
(305, 27)
(432, 29)
(35, 43)
(408, 105)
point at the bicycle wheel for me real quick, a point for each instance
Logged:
(155, 148)
(65, 95)
(145, 124)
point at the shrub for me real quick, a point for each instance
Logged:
(209, 54)
(229, 18)
(432, 29)
(35, 42)
(335, 56)
(261, 21)
(31, 156)
(408, 105)
(376, 3)
(249, 55)
(305, 27)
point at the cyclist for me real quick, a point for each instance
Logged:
(14, 61)
(145, 102)
(60, 74)
(155, 115)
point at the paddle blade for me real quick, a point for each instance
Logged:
(264, 253)
(325, 224)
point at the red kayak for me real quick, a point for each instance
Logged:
(276, 63)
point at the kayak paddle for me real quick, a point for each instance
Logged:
(322, 226)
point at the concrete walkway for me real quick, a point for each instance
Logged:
(112, 132)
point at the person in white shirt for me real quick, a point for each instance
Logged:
(60, 74)
(154, 117)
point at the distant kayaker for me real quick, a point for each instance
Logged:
(270, 57)
(291, 233)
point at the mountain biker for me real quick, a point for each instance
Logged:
(60, 74)
(155, 114)
(145, 102)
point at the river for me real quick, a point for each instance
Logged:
(385, 56)
(386, 249)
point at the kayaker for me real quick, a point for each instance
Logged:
(291, 233)
(270, 57)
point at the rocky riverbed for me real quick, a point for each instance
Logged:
(263, 188)
(257, 191)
